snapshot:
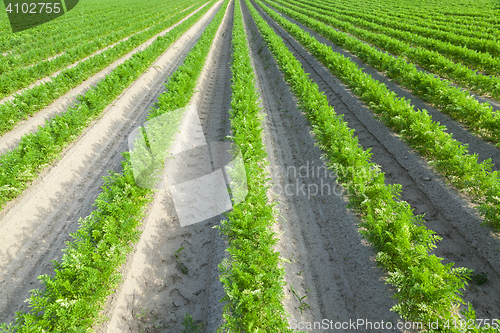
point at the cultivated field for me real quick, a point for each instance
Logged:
(361, 192)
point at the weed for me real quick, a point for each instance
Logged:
(190, 325)
(479, 278)
(303, 305)
(142, 313)
(177, 253)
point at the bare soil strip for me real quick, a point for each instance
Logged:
(11, 139)
(465, 241)
(154, 283)
(330, 264)
(34, 227)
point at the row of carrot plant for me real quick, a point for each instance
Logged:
(480, 31)
(417, 128)
(453, 12)
(484, 62)
(71, 300)
(22, 77)
(114, 27)
(78, 20)
(458, 104)
(427, 290)
(482, 45)
(252, 276)
(36, 150)
(430, 60)
(34, 99)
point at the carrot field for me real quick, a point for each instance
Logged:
(250, 166)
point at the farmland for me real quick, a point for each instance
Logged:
(362, 183)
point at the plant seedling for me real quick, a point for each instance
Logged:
(177, 253)
(303, 305)
(190, 326)
(180, 265)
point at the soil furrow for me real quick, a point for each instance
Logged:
(154, 281)
(35, 225)
(464, 242)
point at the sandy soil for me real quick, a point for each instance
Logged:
(154, 282)
(465, 241)
(11, 139)
(34, 227)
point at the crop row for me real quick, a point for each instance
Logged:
(34, 99)
(62, 32)
(479, 44)
(458, 104)
(400, 237)
(447, 12)
(114, 28)
(476, 60)
(253, 277)
(64, 25)
(479, 117)
(478, 31)
(486, 32)
(22, 77)
(430, 60)
(85, 12)
(417, 128)
(72, 299)
(36, 150)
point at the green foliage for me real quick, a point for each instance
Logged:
(71, 300)
(435, 16)
(180, 265)
(182, 82)
(189, 325)
(379, 35)
(34, 99)
(178, 252)
(87, 273)
(479, 117)
(417, 128)
(303, 305)
(37, 150)
(252, 276)
(485, 326)
(95, 30)
(426, 289)
(477, 52)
